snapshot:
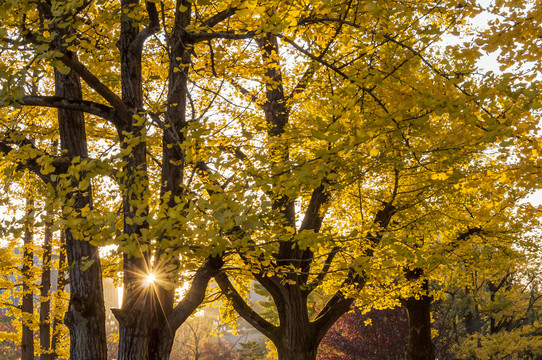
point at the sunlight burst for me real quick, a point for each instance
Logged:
(150, 279)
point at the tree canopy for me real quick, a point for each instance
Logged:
(333, 152)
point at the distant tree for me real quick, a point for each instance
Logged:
(378, 334)
(496, 316)
(8, 347)
(252, 350)
(218, 349)
(195, 341)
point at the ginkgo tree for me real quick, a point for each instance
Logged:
(379, 143)
(237, 135)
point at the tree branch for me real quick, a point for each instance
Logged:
(95, 83)
(463, 236)
(154, 26)
(312, 219)
(90, 107)
(336, 306)
(311, 69)
(218, 18)
(197, 37)
(31, 163)
(196, 294)
(336, 70)
(327, 264)
(242, 308)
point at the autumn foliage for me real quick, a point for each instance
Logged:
(332, 153)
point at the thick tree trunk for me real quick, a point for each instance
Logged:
(161, 344)
(135, 317)
(134, 338)
(297, 338)
(297, 353)
(27, 343)
(420, 346)
(85, 317)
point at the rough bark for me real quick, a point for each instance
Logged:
(150, 336)
(297, 338)
(136, 315)
(85, 317)
(299, 352)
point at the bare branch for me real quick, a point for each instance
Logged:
(325, 269)
(336, 70)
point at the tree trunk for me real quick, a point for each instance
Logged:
(161, 343)
(61, 283)
(134, 339)
(45, 297)
(420, 346)
(27, 343)
(135, 316)
(297, 339)
(298, 353)
(85, 317)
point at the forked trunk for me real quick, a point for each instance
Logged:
(142, 318)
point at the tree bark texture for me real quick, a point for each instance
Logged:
(136, 315)
(297, 338)
(85, 317)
